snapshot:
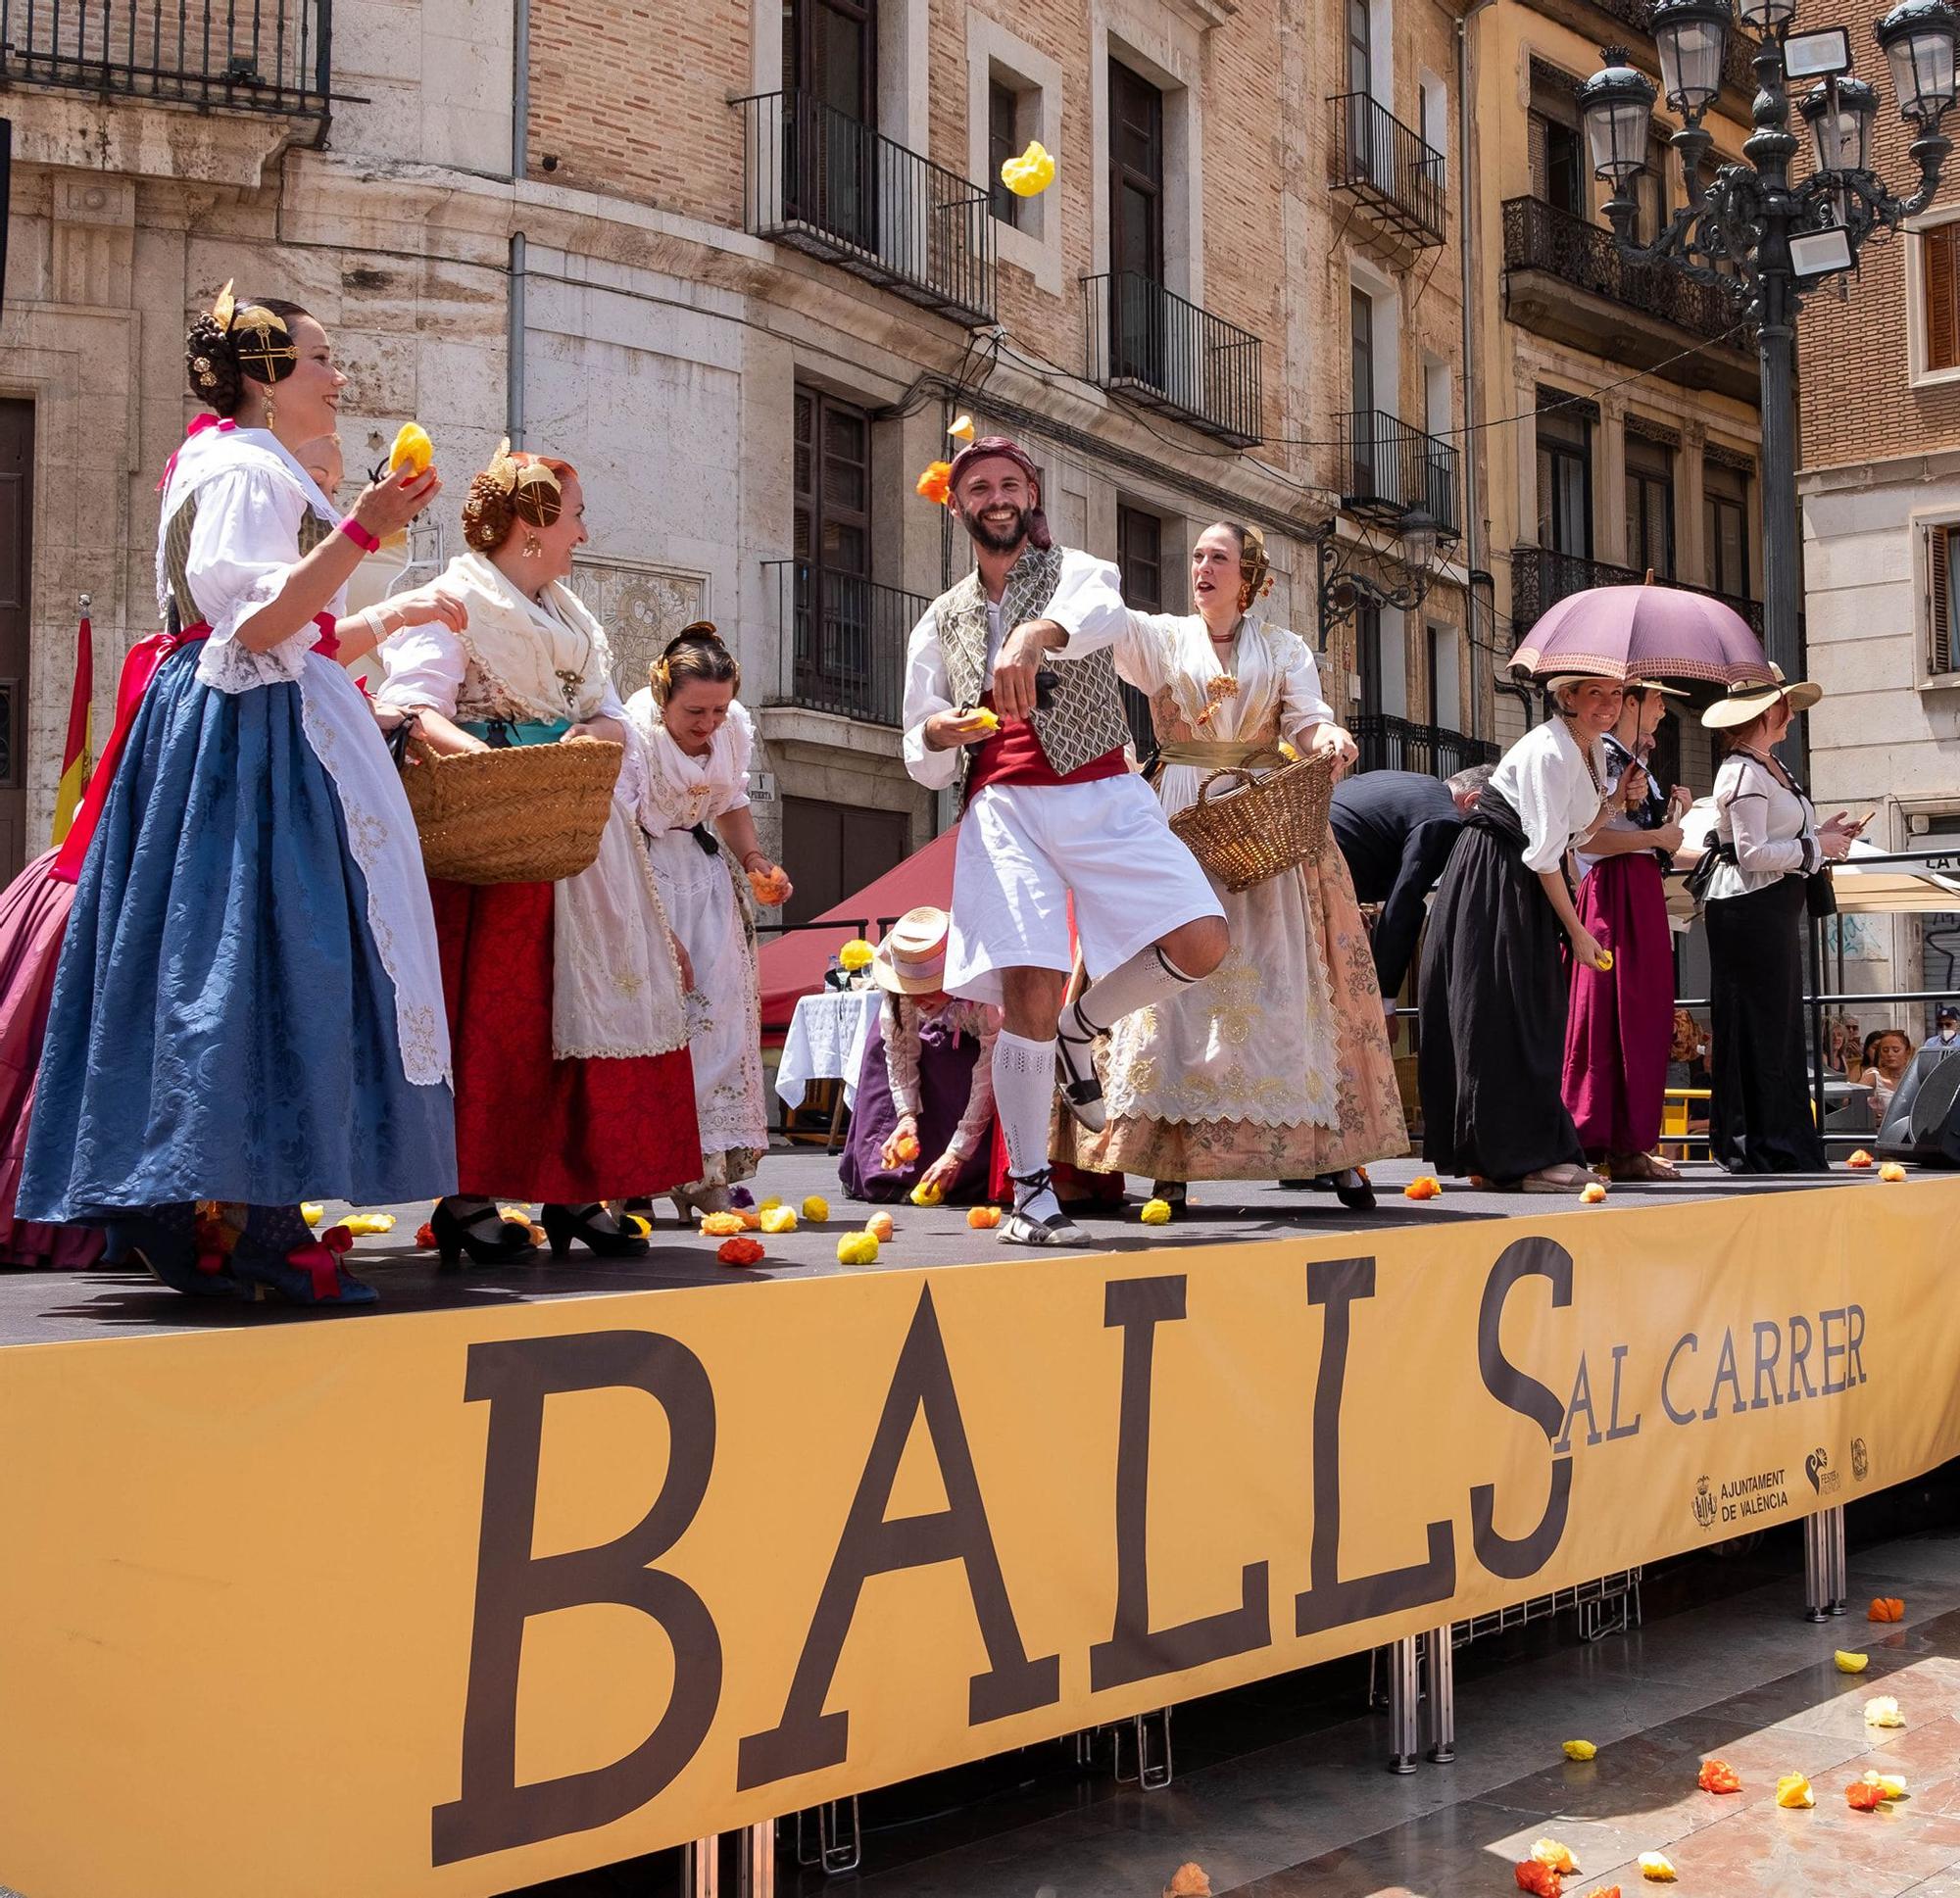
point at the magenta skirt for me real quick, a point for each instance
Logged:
(1620, 1026)
(33, 915)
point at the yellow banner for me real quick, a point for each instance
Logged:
(446, 1603)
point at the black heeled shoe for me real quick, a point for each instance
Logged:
(563, 1224)
(1175, 1194)
(1353, 1191)
(486, 1236)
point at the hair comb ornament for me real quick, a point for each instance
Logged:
(260, 341)
(512, 476)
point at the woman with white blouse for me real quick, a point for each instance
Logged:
(1493, 986)
(694, 811)
(1768, 845)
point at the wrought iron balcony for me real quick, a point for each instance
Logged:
(821, 181)
(1389, 468)
(269, 56)
(842, 641)
(1154, 349)
(1541, 579)
(1388, 169)
(1549, 253)
(1389, 744)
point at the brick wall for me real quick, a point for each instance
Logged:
(1856, 398)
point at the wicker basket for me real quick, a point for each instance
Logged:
(527, 814)
(1277, 822)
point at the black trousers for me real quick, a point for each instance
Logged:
(1760, 1118)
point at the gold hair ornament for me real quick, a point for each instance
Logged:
(511, 477)
(253, 331)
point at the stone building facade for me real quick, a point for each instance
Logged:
(742, 264)
(1880, 493)
(1635, 444)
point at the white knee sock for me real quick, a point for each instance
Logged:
(1147, 977)
(1023, 1097)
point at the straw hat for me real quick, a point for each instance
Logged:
(1656, 688)
(1744, 703)
(912, 960)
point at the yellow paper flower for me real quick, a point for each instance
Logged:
(311, 1211)
(1891, 1173)
(927, 1195)
(1891, 1784)
(1030, 175)
(962, 429)
(779, 1219)
(1606, 962)
(858, 1249)
(768, 1205)
(1655, 1866)
(369, 1224)
(1851, 1663)
(1793, 1792)
(856, 954)
(1592, 1195)
(1155, 1212)
(816, 1209)
(1558, 1858)
(1883, 1711)
(721, 1225)
(413, 450)
(1578, 1749)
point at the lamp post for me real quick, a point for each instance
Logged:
(1749, 232)
(1417, 539)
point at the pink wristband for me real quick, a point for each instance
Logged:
(359, 535)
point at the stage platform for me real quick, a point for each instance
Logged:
(41, 1307)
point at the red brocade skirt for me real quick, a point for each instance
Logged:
(529, 1126)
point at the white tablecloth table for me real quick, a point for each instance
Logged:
(827, 1042)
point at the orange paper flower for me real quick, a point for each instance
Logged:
(1593, 1194)
(983, 1219)
(1863, 1798)
(1718, 1776)
(1428, 1187)
(1189, 1881)
(1538, 1878)
(721, 1225)
(1886, 1608)
(739, 1251)
(879, 1226)
(1860, 1159)
(1891, 1173)
(425, 1236)
(936, 483)
(905, 1148)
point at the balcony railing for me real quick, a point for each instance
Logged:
(1541, 579)
(1389, 744)
(842, 641)
(267, 56)
(1389, 468)
(1388, 169)
(1538, 236)
(822, 182)
(1155, 349)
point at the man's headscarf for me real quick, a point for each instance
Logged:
(987, 448)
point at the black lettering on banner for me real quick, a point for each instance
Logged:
(807, 1737)
(1687, 1342)
(1799, 1355)
(1133, 1652)
(1724, 1373)
(1330, 1602)
(514, 1376)
(1768, 1331)
(1615, 1429)
(1581, 1399)
(1854, 1344)
(1515, 1558)
(1833, 1349)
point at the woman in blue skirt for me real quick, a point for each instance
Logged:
(248, 1009)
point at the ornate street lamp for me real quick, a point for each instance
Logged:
(1750, 234)
(1406, 565)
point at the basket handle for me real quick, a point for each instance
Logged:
(1245, 772)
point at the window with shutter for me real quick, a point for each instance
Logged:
(1942, 649)
(1939, 258)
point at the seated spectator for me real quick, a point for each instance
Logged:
(1890, 1058)
(924, 1111)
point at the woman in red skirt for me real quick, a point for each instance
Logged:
(565, 1006)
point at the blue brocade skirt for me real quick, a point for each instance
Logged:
(222, 1027)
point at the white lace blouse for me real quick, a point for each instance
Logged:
(1773, 828)
(1544, 778)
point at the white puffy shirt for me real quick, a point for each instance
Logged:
(1544, 778)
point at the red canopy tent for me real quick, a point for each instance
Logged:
(793, 964)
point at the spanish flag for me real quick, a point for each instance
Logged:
(75, 754)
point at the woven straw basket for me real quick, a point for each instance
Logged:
(529, 813)
(1277, 822)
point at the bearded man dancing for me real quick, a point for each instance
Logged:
(1052, 811)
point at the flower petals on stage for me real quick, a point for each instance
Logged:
(1793, 1794)
(779, 1219)
(1859, 1160)
(1594, 1193)
(1425, 1187)
(721, 1225)
(1718, 1776)
(1886, 1608)
(1580, 1750)
(1657, 1867)
(983, 1219)
(1848, 1662)
(1540, 1879)
(1155, 1212)
(1891, 1173)
(1550, 1853)
(739, 1251)
(858, 1249)
(1882, 1709)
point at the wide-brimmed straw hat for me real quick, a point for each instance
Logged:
(1743, 704)
(912, 960)
(1655, 686)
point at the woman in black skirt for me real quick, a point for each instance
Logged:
(1768, 843)
(1494, 983)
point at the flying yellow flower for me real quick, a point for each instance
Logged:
(1030, 175)
(962, 429)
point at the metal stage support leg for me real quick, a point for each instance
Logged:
(1826, 1573)
(701, 1867)
(1404, 1702)
(1151, 1735)
(756, 1860)
(839, 1845)
(1438, 1708)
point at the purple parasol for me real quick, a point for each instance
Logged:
(1643, 632)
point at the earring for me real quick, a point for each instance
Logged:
(272, 412)
(532, 548)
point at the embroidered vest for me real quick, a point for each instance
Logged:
(1085, 718)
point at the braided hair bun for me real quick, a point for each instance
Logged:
(212, 366)
(696, 651)
(492, 510)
